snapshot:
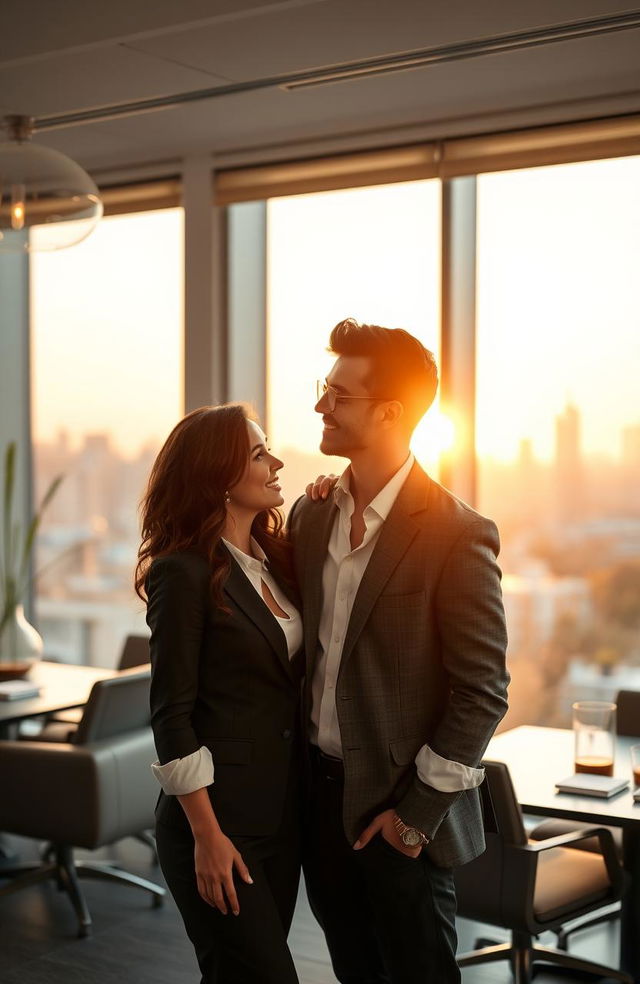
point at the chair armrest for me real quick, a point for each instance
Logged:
(40, 781)
(83, 795)
(607, 848)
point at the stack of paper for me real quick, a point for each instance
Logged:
(586, 784)
(15, 689)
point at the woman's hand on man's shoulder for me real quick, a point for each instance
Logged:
(320, 489)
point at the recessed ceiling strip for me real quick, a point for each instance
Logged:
(351, 71)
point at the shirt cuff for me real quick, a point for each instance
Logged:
(445, 775)
(185, 775)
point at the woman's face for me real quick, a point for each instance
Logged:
(258, 488)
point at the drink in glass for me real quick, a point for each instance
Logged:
(594, 729)
(635, 764)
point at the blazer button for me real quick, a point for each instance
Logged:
(286, 733)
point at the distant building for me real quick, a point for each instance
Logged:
(631, 446)
(569, 471)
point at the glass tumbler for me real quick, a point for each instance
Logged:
(594, 729)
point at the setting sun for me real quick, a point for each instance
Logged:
(434, 436)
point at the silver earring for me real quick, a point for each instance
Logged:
(227, 497)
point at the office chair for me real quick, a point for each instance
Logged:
(63, 725)
(627, 724)
(135, 652)
(86, 794)
(530, 888)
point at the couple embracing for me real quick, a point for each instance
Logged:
(321, 694)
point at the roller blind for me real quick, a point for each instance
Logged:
(618, 137)
(142, 197)
(408, 163)
(561, 144)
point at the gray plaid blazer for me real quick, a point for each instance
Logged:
(423, 658)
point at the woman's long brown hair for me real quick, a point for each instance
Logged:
(184, 508)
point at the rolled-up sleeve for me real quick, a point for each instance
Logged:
(445, 775)
(177, 597)
(185, 775)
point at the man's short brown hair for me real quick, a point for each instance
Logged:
(401, 367)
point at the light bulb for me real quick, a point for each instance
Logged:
(18, 195)
(42, 192)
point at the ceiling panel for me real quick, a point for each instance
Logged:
(442, 98)
(32, 28)
(252, 39)
(276, 42)
(95, 78)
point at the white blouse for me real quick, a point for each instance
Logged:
(256, 568)
(185, 775)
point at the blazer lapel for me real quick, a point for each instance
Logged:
(315, 552)
(240, 589)
(396, 535)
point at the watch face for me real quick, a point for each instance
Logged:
(411, 837)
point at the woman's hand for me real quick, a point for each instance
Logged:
(322, 486)
(215, 858)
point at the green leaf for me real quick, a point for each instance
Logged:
(49, 494)
(7, 506)
(16, 552)
(34, 524)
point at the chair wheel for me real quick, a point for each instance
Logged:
(84, 931)
(157, 901)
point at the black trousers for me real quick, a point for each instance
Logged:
(387, 918)
(250, 948)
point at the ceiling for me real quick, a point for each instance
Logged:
(62, 56)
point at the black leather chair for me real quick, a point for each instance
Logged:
(87, 794)
(63, 725)
(627, 724)
(135, 652)
(529, 888)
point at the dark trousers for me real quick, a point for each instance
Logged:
(250, 948)
(387, 918)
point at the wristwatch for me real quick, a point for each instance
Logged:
(410, 836)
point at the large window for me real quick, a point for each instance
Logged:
(107, 388)
(558, 425)
(370, 253)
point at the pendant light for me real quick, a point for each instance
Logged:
(47, 201)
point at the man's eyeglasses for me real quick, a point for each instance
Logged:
(331, 396)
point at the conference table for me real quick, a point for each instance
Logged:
(62, 686)
(538, 758)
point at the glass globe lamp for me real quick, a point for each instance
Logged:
(47, 201)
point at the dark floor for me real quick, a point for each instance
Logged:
(133, 943)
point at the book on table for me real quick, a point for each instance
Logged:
(17, 689)
(585, 784)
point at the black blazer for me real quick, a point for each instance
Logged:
(224, 681)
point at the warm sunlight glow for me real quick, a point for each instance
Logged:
(368, 253)
(107, 333)
(434, 436)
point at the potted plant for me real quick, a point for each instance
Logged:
(20, 644)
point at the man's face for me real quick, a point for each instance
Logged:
(353, 424)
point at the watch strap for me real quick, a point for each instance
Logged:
(403, 828)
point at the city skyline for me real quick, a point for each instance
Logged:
(552, 561)
(566, 464)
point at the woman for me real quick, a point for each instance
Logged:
(226, 671)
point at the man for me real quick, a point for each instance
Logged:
(406, 677)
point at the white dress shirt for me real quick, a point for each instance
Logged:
(341, 576)
(185, 775)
